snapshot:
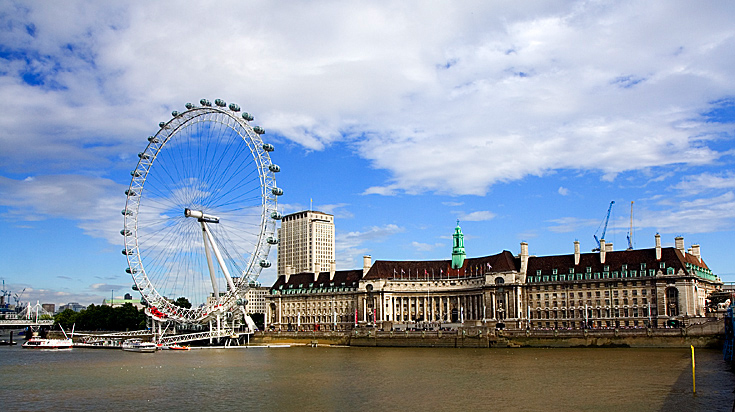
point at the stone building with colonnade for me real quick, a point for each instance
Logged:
(654, 287)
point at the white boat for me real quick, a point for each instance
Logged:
(41, 343)
(137, 345)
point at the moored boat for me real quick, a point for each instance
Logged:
(41, 343)
(137, 345)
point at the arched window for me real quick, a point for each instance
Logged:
(499, 280)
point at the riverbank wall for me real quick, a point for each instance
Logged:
(708, 335)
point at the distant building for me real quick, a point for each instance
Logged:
(49, 307)
(76, 307)
(306, 242)
(120, 302)
(256, 299)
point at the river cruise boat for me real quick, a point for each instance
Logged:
(137, 345)
(41, 343)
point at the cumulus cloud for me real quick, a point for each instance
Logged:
(563, 191)
(696, 184)
(477, 216)
(350, 246)
(425, 247)
(449, 100)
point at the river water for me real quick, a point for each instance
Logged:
(362, 379)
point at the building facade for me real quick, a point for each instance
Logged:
(306, 242)
(256, 299)
(656, 287)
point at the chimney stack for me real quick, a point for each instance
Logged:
(679, 242)
(576, 252)
(696, 253)
(524, 258)
(288, 273)
(332, 269)
(366, 264)
(603, 250)
(658, 246)
(608, 247)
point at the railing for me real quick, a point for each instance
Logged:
(26, 322)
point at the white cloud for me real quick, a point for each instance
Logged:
(700, 215)
(693, 185)
(477, 216)
(351, 245)
(95, 203)
(570, 224)
(505, 90)
(563, 191)
(425, 247)
(337, 209)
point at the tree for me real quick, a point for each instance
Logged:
(183, 302)
(66, 319)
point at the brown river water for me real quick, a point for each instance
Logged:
(365, 379)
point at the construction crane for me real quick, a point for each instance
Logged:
(630, 231)
(5, 298)
(607, 218)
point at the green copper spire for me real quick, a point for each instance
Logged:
(458, 254)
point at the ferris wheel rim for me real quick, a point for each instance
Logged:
(268, 209)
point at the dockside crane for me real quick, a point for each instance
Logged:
(607, 219)
(630, 231)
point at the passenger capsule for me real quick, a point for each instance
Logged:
(234, 107)
(271, 240)
(127, 252)
(275, 215)
(130, 192)
(135, 173)
(268, 147)
(274, 168)
(175, 113)
(144, 156)
(153, 139)
(161, 124)
(189, 106)
(135, 287)
(126, 212)
(126, 232)
(277, 191)
(247, 116)
(265, 263)
(220, 103)
(205, 102)
(239, 302)
(258, 130)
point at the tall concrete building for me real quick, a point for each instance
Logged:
(306, 242)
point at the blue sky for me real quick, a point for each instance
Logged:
(522, 120)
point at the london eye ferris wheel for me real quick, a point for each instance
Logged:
(201, 212)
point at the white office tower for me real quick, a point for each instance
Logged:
(306, 242)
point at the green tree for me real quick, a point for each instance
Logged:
(66, 319)
(183, 302)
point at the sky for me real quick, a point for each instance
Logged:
(522, 120)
